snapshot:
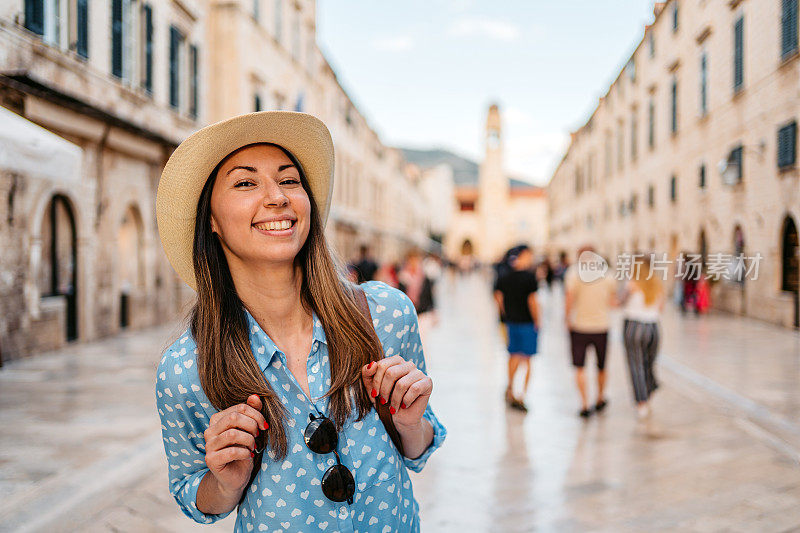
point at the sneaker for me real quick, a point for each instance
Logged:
(600, 405)
(519, 405)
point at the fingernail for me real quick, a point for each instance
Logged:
(402, 405)
(374, 393)
(392, 410)
(252, 454)
(383, 400)
(266, 426)
(370, 365)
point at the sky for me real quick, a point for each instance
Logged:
(423, 72)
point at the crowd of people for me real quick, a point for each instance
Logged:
(587, 313)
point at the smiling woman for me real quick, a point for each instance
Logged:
(278, 358)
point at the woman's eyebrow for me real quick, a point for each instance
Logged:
(249, 169)
(284, 167)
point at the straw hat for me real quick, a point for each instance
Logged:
(303, 135)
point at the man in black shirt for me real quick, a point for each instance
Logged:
(365, 267)
(515, 294)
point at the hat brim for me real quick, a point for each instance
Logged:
(305, 136)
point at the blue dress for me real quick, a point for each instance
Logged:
(286, 495)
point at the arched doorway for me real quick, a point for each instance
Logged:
(466, 247)
(790, 265)
(130, 264)
(58, 271)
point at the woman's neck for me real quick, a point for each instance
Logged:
(272, 295)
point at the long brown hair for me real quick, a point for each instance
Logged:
(228, 369)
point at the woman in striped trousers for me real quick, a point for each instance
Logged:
(643, 306)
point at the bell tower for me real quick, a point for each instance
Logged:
(493, 191)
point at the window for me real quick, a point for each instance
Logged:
(34, 16)
(673, 189)
(82, 28)
(652, 44)
(608, 154)
(620, 145)
(702, 177)
(175, 44)
(257, 102)
(675, 16)
(651, 196)
(300, 102)
(787, 145)
(633, 203)
(278, 20)
(651, 124)
(116, 38)
(735, 161)
(674, 106)
(738, 54)
(257, 10)
(788, 28)
(193, 89)
(147, 63)
(633, 135)
(703, 84)
(466, 205)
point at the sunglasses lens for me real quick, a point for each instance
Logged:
(338, 484)
(321, 436)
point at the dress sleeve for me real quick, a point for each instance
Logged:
(411, 347)
(183, 421)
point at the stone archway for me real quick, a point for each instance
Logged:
(58, 272)
(130, 261)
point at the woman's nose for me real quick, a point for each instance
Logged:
(274, 197)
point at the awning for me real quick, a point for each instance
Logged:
(29, 149)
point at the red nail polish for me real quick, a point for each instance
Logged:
(370, 365)
(266, 426)
(252, 454)
(392, 410)
(374, 393)
(402, 405)
(383, 400)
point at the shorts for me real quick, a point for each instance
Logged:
(580, 343)
(523, 338)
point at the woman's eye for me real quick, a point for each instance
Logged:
(244, 182)
(290, 181)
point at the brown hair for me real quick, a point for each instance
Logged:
(228, 369)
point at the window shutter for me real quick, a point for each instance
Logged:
(174, 72)
(147, 12)
(788, 28)
(787, 143)
(116, 38)
(34, 16)
(738, 54)
(82, 41)
(194, 88)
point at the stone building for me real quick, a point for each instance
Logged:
(114, 87)
(693, 149)
(491, 212)
(118, 84)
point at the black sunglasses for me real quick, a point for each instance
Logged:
(338, 484)
(321, 437)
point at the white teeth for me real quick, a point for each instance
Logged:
(275, 226)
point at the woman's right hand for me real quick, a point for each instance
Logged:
(231, 441)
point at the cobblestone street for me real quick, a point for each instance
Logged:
(80, 448)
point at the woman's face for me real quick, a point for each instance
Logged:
(259, 207)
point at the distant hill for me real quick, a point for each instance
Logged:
(465, 171)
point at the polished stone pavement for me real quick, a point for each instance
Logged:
(80, 446)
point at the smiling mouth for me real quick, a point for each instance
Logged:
(279, 225)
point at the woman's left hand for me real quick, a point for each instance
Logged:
(398, 382)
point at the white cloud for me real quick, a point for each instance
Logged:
(535, 155)
(394, 44)
(480, 27)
